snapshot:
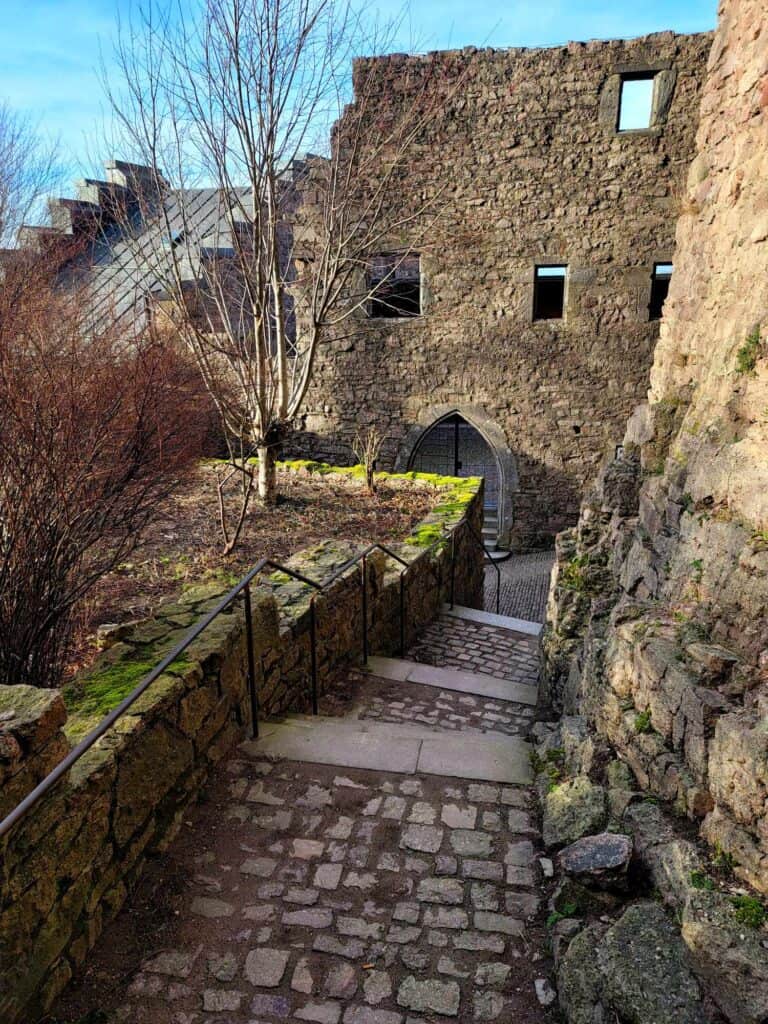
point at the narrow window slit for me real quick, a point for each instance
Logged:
(636, 101)
(549, 292)
(662, 274)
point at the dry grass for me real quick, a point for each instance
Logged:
(183, 545)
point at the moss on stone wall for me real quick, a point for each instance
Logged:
(119, 669)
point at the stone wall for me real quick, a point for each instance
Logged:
(68, 867)
(657, 626)
(528, 168)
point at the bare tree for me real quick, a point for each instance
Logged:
(28, 172)
(231, 94)
(366, 448)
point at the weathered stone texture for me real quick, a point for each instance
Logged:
(530, 170)
(67, 868)
(657, 620)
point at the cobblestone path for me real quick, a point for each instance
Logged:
(304, 892)
(524, 586)
(387, 701)
(460, 644)
(472, 647)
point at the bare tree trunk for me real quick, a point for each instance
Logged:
(267, 475)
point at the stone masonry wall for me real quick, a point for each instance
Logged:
(529, 169)
(657, 626)
(68, 867)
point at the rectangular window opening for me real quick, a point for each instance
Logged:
(549, 292)
(662, 274)
(394, 281)
(636, 102)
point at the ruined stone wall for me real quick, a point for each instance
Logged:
(657, 623)
(67, 868)
(529, 169)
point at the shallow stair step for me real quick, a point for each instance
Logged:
(498, 556)
(491, 619)
(378, 748)
(477, 683)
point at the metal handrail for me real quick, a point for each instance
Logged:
(478, 539)
(244, 587)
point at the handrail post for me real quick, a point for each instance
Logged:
(402, 613)
(251, 663)
(453, 568)
(313, 652)
(365, 609)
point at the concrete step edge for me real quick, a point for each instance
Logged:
(492, 619)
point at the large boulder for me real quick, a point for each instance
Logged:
(573, 809)
(646, 979)
(634, 972)
(580, 979)
(730, 958)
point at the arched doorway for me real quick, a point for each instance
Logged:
(453, 447)
(430, 446)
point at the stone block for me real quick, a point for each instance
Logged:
(573, 809)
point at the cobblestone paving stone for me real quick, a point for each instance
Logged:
(472, 647)
(524, 586)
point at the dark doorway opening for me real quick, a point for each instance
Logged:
(453, 447)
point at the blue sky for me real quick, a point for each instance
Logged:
(49, 49)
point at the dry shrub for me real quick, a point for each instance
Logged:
(97, 427)
(366, 448)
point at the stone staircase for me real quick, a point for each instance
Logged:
(374, 865)
(491, 536)
(471, 645)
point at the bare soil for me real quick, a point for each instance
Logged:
(183, 545)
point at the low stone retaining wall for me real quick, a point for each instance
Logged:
(68, 867)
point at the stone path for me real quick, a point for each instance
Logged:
(307, 892)
(448, 710)
(458, 643)
(524, 585)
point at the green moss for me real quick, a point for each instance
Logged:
(701, 880)
(749, 353)
(425, 535)
(750, 911)
(723, 861)
(643, 721)
(279, 577)
(569, 910)
(90, 697)
(690, 631)
(536, 762)
(468, 484)
(99, 693)
(551, 765)
(572, 575)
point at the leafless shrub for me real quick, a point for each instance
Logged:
(28, 172)
(366, 448)
(96, 429)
